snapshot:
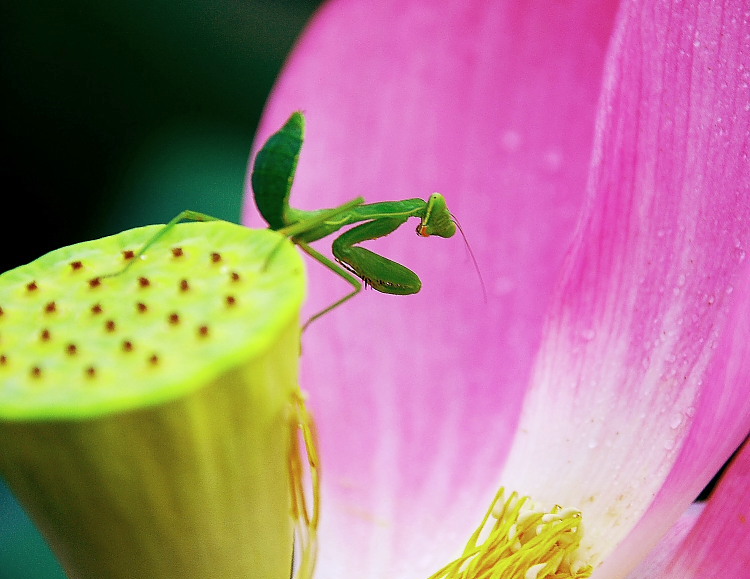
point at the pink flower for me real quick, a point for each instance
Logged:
(597, 158)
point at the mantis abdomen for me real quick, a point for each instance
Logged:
(274, 169)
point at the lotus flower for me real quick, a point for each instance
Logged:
(596, 156)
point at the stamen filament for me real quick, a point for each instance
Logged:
(306, 522)
(520, 541)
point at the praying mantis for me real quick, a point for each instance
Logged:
(272, 178)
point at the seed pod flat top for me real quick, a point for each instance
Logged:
(77, 341)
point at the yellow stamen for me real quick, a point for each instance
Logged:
(517, 540)
(306, 522)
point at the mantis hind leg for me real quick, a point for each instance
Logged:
(186, 215)
(338, 270)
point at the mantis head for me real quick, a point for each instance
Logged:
(437, 219)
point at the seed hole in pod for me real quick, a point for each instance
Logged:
(95, 282)
(141, 307)
(2, 311)
(90, 372)
(128, 254)
(231, 300)
(144, 282)
(32, 287)
(36, 372)
(174, 318)
(76, 265)
(110, 326)
(203, 331)
(127, 346)
(184, 285)
(71, 349)
(96, 309)
(215, 257)
(177, 252)
(45, 335)
(153, 359)
(3, 359)
(234, 276)
(50, 308)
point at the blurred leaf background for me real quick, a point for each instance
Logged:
(124, 113)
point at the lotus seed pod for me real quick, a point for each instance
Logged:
(146, 401)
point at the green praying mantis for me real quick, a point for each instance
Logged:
(272, 178)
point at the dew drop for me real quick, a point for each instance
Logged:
(588, 334)
(676, 421)
(739, 252)
(553, 160)
(510, 140)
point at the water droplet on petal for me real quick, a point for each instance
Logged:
(588, 334)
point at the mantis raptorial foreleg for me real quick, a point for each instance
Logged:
(376, 271)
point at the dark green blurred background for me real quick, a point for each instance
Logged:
(123, 113)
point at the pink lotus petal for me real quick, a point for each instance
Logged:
(658, 558)
(644, 366)
(417, 397)
(718, 544)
